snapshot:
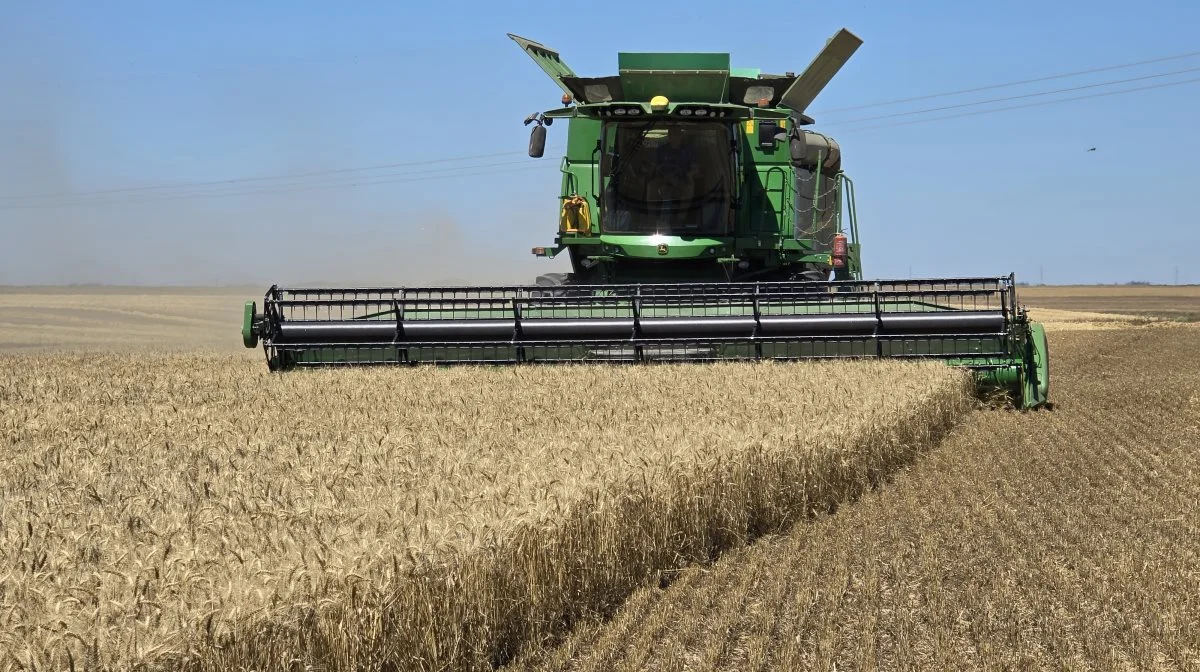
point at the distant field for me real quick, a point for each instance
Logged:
(122, 318)
(175, 319)
(1170, 302)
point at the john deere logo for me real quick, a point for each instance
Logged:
(663, 249)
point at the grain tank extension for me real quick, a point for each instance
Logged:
(703, 220)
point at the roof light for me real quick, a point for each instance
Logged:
(620, 111)
(686, 112)
(701, 112)
(659, 103)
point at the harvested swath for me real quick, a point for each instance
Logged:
(1159, 302)
(1065, 539)
(195, 511)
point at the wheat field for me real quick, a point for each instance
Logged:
(165, 503)
(1054, 540)
(192, 511)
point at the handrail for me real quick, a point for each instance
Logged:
(781, 214)
(851, 213)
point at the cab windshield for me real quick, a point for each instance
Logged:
(669, 178)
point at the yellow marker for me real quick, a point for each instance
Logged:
(749, 125)
(659, 103)
(783, 123)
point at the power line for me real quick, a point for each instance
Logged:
(1017, 97)
(1019, 107)
(243, 180)
(369, 181)
(419, 176)
(400, 178)
(277, 64)
(187, 190)
(1003, 85)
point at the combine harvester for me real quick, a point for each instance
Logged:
(703, 222)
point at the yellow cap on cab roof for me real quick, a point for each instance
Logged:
(659, 103)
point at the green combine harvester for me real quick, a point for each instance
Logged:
(703, 222)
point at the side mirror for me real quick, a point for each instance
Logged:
(537, 141)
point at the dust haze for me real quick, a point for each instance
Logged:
(65, 133)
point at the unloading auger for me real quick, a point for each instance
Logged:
(702, 223)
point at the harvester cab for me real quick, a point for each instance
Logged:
(680, 168)
(703, 222)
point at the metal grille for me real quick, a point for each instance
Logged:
(961, 318)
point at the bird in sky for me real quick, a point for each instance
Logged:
(1092, 149)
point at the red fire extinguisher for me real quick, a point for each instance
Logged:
(840, 250)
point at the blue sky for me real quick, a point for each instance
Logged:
(158, 97)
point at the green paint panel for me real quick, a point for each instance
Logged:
(249, 338)
(581, 139)
(1037, 369)
(546, 58)
(647, 247)
(678, 76)
(672, 61)
(698, 87)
